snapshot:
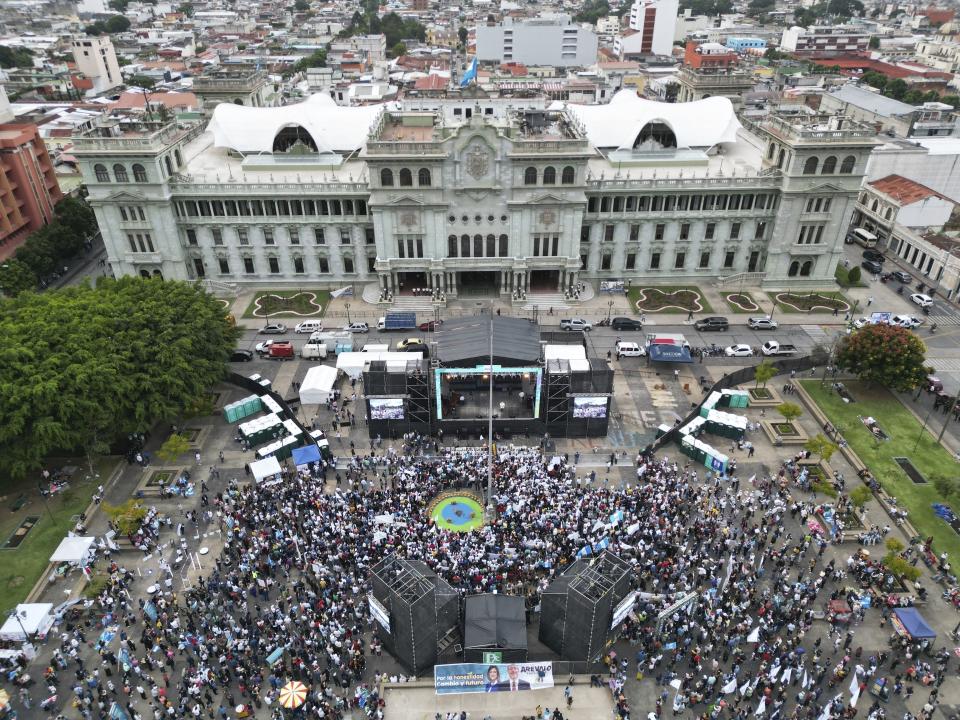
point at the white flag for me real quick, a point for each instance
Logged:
(787, 674)
(774, 671)
(676, 683)
(730, 687)
(745, 687)
(804, 683)
(754, 635)
(854, 691)
(762, 707)
(825, 715)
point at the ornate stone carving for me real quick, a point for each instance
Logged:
(477, 162)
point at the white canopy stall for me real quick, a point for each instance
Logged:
(268, 467)
(74, 550)
(317, 386)
(31, 618)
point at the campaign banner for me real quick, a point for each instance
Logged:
(492, 677)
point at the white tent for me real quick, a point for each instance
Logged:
(74, 550)
(354, 363)
(268, 467)
(317, 386)
(32, 618)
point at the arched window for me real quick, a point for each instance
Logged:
(102, 174)
(158, 274)
(386, 177)
(502, 241)
(139, 173)
(829, 166)
(166, 161)
(781, 158)
(178, 157)
(549, 175)
(846, 168)
(423, 178)
(569, 176)
(406, 178)
(875, 205)
(145, 274)
(238, 101)
(810, 166)
(530, 176)
(491, 246)
(794, 268)
(889, 213)
(771, 151)
(806, 268)
(478, 245)
(655, 136)
(464, 246)
(294, 138)
(452, 246)
(120, 173)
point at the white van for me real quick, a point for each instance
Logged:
(309, 326)
(862, 237)
(629, 349)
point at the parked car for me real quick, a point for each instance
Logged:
(624, 323)
(357, 327)
(740, 350)
(861, 322)
(273, 329)
(420, 347)
(712, 323)
(430, 325)
(263, 348)
(872, 266)
(575, 324)
(630, 349)
(921, 300)
(241, 356)
(308, 326)
(906, 321)
(762, 323)
(901, 276)
(873, 256)
(407, 342)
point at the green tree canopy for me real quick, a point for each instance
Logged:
(398, 50)
(763, 373)
(707, 7)
(113, 24)
(16, 277)
(11, 57)
(821, 446)
(301, 5)
(82, 365)
(790, 411)
(318, 58)
(173, 447)
(141, 81)
(884, 354)
(592, 11)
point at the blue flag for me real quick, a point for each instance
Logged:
(470, 74)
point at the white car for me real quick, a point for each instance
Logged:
(861, 322)
(357, 327)
(762, 323)
(263, 348)
(906, 321)
(741, 350)
(922, 300)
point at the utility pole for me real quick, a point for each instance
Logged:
(490, 426)
(950, 412)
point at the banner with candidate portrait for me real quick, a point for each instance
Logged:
(492, 677)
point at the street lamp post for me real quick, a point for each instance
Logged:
(490, 426)
(347, 306)
(609, 310)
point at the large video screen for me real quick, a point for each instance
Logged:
(590, 407)
(386, 409)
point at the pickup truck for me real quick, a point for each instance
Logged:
(772, 347)
(575, 324)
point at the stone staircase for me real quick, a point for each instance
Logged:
(545, 301)
(411, 303)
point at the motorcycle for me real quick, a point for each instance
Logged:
(933, 329)
(926, 311)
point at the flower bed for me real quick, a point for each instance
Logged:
(780, 432)
(669, 299)
(808, 302)
(741, 302)
(289, 303)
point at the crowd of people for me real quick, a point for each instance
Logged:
(286, 599)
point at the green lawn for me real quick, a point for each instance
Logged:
(842, 275)
(930, 458)
(658, 295)
(23, 565)
(288, 304)
(821, 300)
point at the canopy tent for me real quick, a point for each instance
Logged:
(74, 550)
(908, 621)
(32, 618)
(306, 455)
(495, 622)
(317, 386)
(268, 467)
(669, 353)
(354, 363)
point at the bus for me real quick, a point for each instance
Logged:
(862, 237)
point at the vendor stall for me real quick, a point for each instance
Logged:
(909, 623)
(74, 550)
(266, 468)
(30, 619)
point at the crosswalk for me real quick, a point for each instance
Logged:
(944, 364)
(816, 333)
(944, 320)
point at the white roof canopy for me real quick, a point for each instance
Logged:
(317, 385)
(73, 550)
(333, 128)
(268, 467)
(31, 617)
(698, 124)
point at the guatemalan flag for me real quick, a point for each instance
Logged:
(470, 74)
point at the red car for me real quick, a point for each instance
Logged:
(430, 325)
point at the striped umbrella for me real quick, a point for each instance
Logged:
(293, 694)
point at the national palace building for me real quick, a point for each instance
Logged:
(478, 196)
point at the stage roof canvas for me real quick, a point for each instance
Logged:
(494, 621)
(516, 341)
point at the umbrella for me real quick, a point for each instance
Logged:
(293, 694)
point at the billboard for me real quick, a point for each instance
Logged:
(493, 677)
(621, 611)
(590, 407)
(379, 612)
(388, 409)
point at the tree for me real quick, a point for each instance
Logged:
(756, 7)
(16, 277)
(173, 447)
(874, 79)
(874, 43)
(126, 517)
(119, 5)
(117, 24)
(186, 9)
(945, 486)
(301, 5)
(821, 446)
(860, 495)
(462, 34)
(316, 59)
(854, 275)
(897, 88)
(592, 11)
(82, 365)
(764, 372)
(789, 411)
(11, 57)
(774, 54)
(886, 355)
(141, 81)
(398, 50)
